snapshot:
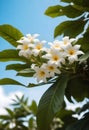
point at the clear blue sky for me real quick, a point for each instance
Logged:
(28, 16)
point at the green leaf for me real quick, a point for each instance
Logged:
(84, 3)
(38, 84)
(28, 72)
(81, 8)
(25, 74)
(10, 34)
(31, 123)
(11, 55)
(70, 28)
(78, 88)
(33, 107)
(5, 117)
(84, 41)
(84, 108)
(69, 11)
(82, 124)
(9, 81)
(10, 112)
(84, 57)
(54, 11)
(17, 67)
(50, 103)
(67, 1)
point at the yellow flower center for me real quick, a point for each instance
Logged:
(38, 47)
(42, 73)
(51, 68)
(71, 52)
(65, 42)
(55, 58)
(25, 47)
(57, 46)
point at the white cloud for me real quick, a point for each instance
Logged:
(6, 100)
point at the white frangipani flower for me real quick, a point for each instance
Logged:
(32, 38)
(38, 47)
(52, 59)
(55, 57)
(24, 49)
(52, 69)
(41, 74)
(56, 45)
(23, 40)
(67, 41)
(72, 52)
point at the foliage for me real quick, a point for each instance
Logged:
(21, 116)
(74, 79)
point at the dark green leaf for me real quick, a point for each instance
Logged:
(5, 117)
(84, 57)
(31, 123)
(84, 41)
(78, 88)
(11, 55)
(8, 81)
(84, 108)
(26, 74)
(81, 8)
(82, 124)
(38, 84)
(10, 33)
(51, 103)
(17, 67)
(67, 1)
(70, 28)
(84, 3)
(63, 113)
(71, 12)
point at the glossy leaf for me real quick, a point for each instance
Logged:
(51, 103)
(10, 34)
(70, 28)
(9, 81)
(11, 55)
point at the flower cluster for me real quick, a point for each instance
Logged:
(48, 62)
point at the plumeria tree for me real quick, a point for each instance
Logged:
(64, 64)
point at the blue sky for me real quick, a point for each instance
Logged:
(28, 16)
